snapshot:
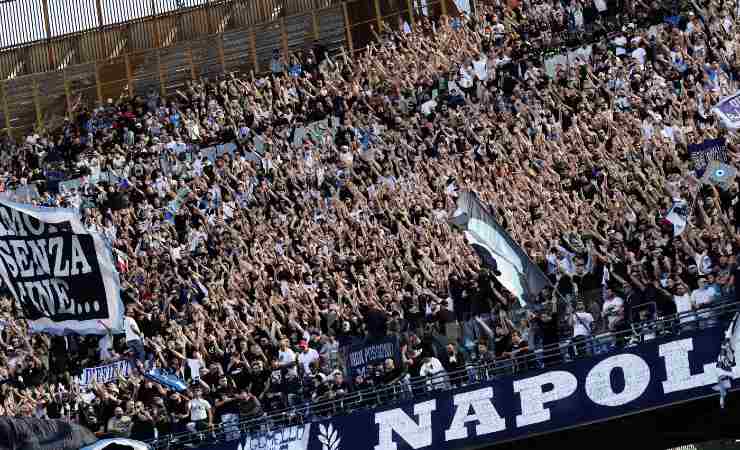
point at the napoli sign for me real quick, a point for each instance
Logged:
(656, 373)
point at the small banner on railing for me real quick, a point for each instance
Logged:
(363, 355)
(105, 373)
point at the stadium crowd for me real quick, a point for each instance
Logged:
(278, 254)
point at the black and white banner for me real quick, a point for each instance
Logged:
(61, 275)
(362, 355)
(498, 250)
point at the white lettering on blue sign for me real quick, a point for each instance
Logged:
(489, 420)
(679, 377)
(395, 420)
(537, 393)
(533, 397)
(636, 380)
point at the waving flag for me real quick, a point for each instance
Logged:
(727, 360)
(515, 271)
(61, 275)
(678, 216)
(728, 111)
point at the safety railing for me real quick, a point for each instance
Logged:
(473, 374)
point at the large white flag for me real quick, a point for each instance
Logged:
(678, 216)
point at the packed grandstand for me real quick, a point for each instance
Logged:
(262, 225)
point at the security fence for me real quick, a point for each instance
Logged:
(53, 57)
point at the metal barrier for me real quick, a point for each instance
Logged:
(547, 357)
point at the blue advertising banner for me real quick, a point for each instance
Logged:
(654, 374)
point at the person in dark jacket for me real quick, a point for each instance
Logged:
(547, 321)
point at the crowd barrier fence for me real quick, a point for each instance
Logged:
(534, 360)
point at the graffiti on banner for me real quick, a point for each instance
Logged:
(290, 438)
(105, 373)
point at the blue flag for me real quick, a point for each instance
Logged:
(167, 380)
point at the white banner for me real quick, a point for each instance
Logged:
(567, 59)
(106, 373)
(290, 438)
(61, 275)
(678, 216)
(728, 111)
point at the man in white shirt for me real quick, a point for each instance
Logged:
(685, 307)
(134, 338)
(582, 323)
(201, 415)
(287, 359)
(307, 356)
(480, 67)
(703, 297)
(435, 372)
(194, 365)
(613, 309)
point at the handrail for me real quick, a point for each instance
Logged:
(386, 395)
(116, 24)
